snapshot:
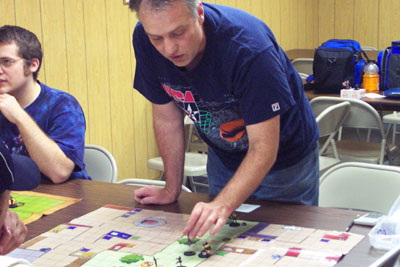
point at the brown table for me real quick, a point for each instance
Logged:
(309, 53)
(381, 104)
(97, 194)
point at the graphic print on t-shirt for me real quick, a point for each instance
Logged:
(187, 103)
(232, 131)
(217, 121)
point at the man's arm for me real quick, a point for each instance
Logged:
(47, 155)
(263, 148)
(169, 132)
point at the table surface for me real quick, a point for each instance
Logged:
(97, 194)
(380, 104)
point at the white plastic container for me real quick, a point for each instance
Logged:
(386, 233)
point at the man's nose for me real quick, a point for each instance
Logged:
(170, 46)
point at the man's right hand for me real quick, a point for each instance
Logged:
(155, 195)
(13, 232)
(10, 108)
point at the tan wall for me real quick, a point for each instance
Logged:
(88, 53)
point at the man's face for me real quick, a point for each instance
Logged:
(174, 32)
(13, 72)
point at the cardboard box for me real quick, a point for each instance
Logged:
(352, 93)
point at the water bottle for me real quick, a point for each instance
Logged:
(371, 77)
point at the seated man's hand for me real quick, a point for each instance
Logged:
(13, 233)
(154, 195)
(203, 216)
(10, 108)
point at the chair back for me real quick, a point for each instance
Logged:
(361, 115)
(100, 164)
(144, 182)
(303, 65)
(359, 185)
(329, 122)
(369, 48)
(389, 259)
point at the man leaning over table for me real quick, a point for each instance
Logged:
(43, 123)
(224, 69)
(20, 173)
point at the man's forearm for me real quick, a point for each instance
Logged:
(246, 179)
(170, 140)
(50, 159)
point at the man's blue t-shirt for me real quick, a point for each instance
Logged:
(61, 117)
(243, 78)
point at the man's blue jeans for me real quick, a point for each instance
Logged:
(296, 184)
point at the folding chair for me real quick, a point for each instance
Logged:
(362, 186)
(361, 116)
(304, 66)
(329, 122)
(100, 164)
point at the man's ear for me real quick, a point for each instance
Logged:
(34, 65)
(200, 13)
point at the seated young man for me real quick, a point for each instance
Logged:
(43, 123)
(16, 173)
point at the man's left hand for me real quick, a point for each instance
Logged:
(154, 195)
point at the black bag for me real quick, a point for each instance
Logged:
(389, 66)
(338, 64)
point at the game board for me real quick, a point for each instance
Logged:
(32, 205)
(120, 236)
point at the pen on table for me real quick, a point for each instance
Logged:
(350, 225)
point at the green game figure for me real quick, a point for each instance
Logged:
(205, 253)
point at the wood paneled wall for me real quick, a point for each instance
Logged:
(88, 53)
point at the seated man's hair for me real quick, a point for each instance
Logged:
(27, 42)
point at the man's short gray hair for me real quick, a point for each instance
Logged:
(134, 5)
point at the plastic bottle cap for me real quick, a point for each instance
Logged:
(371, 67)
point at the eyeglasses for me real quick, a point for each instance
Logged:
(7, 62)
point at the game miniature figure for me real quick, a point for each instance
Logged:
(234, 222)
(12, 204)
(205, 253)
(179, 261)
(346, 84)
(189, 252)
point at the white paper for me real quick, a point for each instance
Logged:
(247, 208)
(374, 95)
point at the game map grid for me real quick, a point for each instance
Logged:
(31, 206)
(122, 236)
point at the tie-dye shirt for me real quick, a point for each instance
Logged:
(61, 117)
